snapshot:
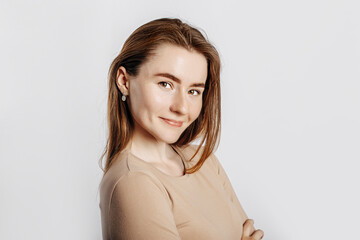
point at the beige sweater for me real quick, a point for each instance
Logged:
(138, 201)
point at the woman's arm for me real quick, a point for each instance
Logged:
(249, 232)
(228, 186)
(140, 209)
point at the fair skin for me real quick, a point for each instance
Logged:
(168, 88)
(164, 99)
(249, 232)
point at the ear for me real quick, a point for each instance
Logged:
(122, 80)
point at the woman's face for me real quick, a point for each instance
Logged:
(166, 95)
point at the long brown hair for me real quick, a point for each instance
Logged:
(136, 50)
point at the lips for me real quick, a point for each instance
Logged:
(172, 122)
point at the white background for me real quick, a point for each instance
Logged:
(290, 90)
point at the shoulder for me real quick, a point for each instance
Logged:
(125, 165)
(137, 185)
(125, 175)
(117, 170)
(123, 187)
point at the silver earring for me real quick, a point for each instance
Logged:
(123, 98)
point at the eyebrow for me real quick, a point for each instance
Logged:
(172, 77)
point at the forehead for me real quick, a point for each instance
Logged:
(187, 65)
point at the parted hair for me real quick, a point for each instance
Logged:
(136, 51)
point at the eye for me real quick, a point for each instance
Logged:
(164, 84)
(195, 92)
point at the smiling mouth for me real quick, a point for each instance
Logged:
(172, 122)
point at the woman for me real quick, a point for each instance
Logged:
(164, 92)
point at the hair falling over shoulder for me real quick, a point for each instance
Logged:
(136, 50)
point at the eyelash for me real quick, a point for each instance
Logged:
(162, 84)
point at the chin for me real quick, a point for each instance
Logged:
(169, 139)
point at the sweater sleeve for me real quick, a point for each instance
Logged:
(227, 186)
(140, 209)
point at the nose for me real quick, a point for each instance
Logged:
(179, 103)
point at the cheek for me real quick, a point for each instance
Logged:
(153, 105)
(196, 110)
(154, 100)
(148, 101)
(137, 101)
